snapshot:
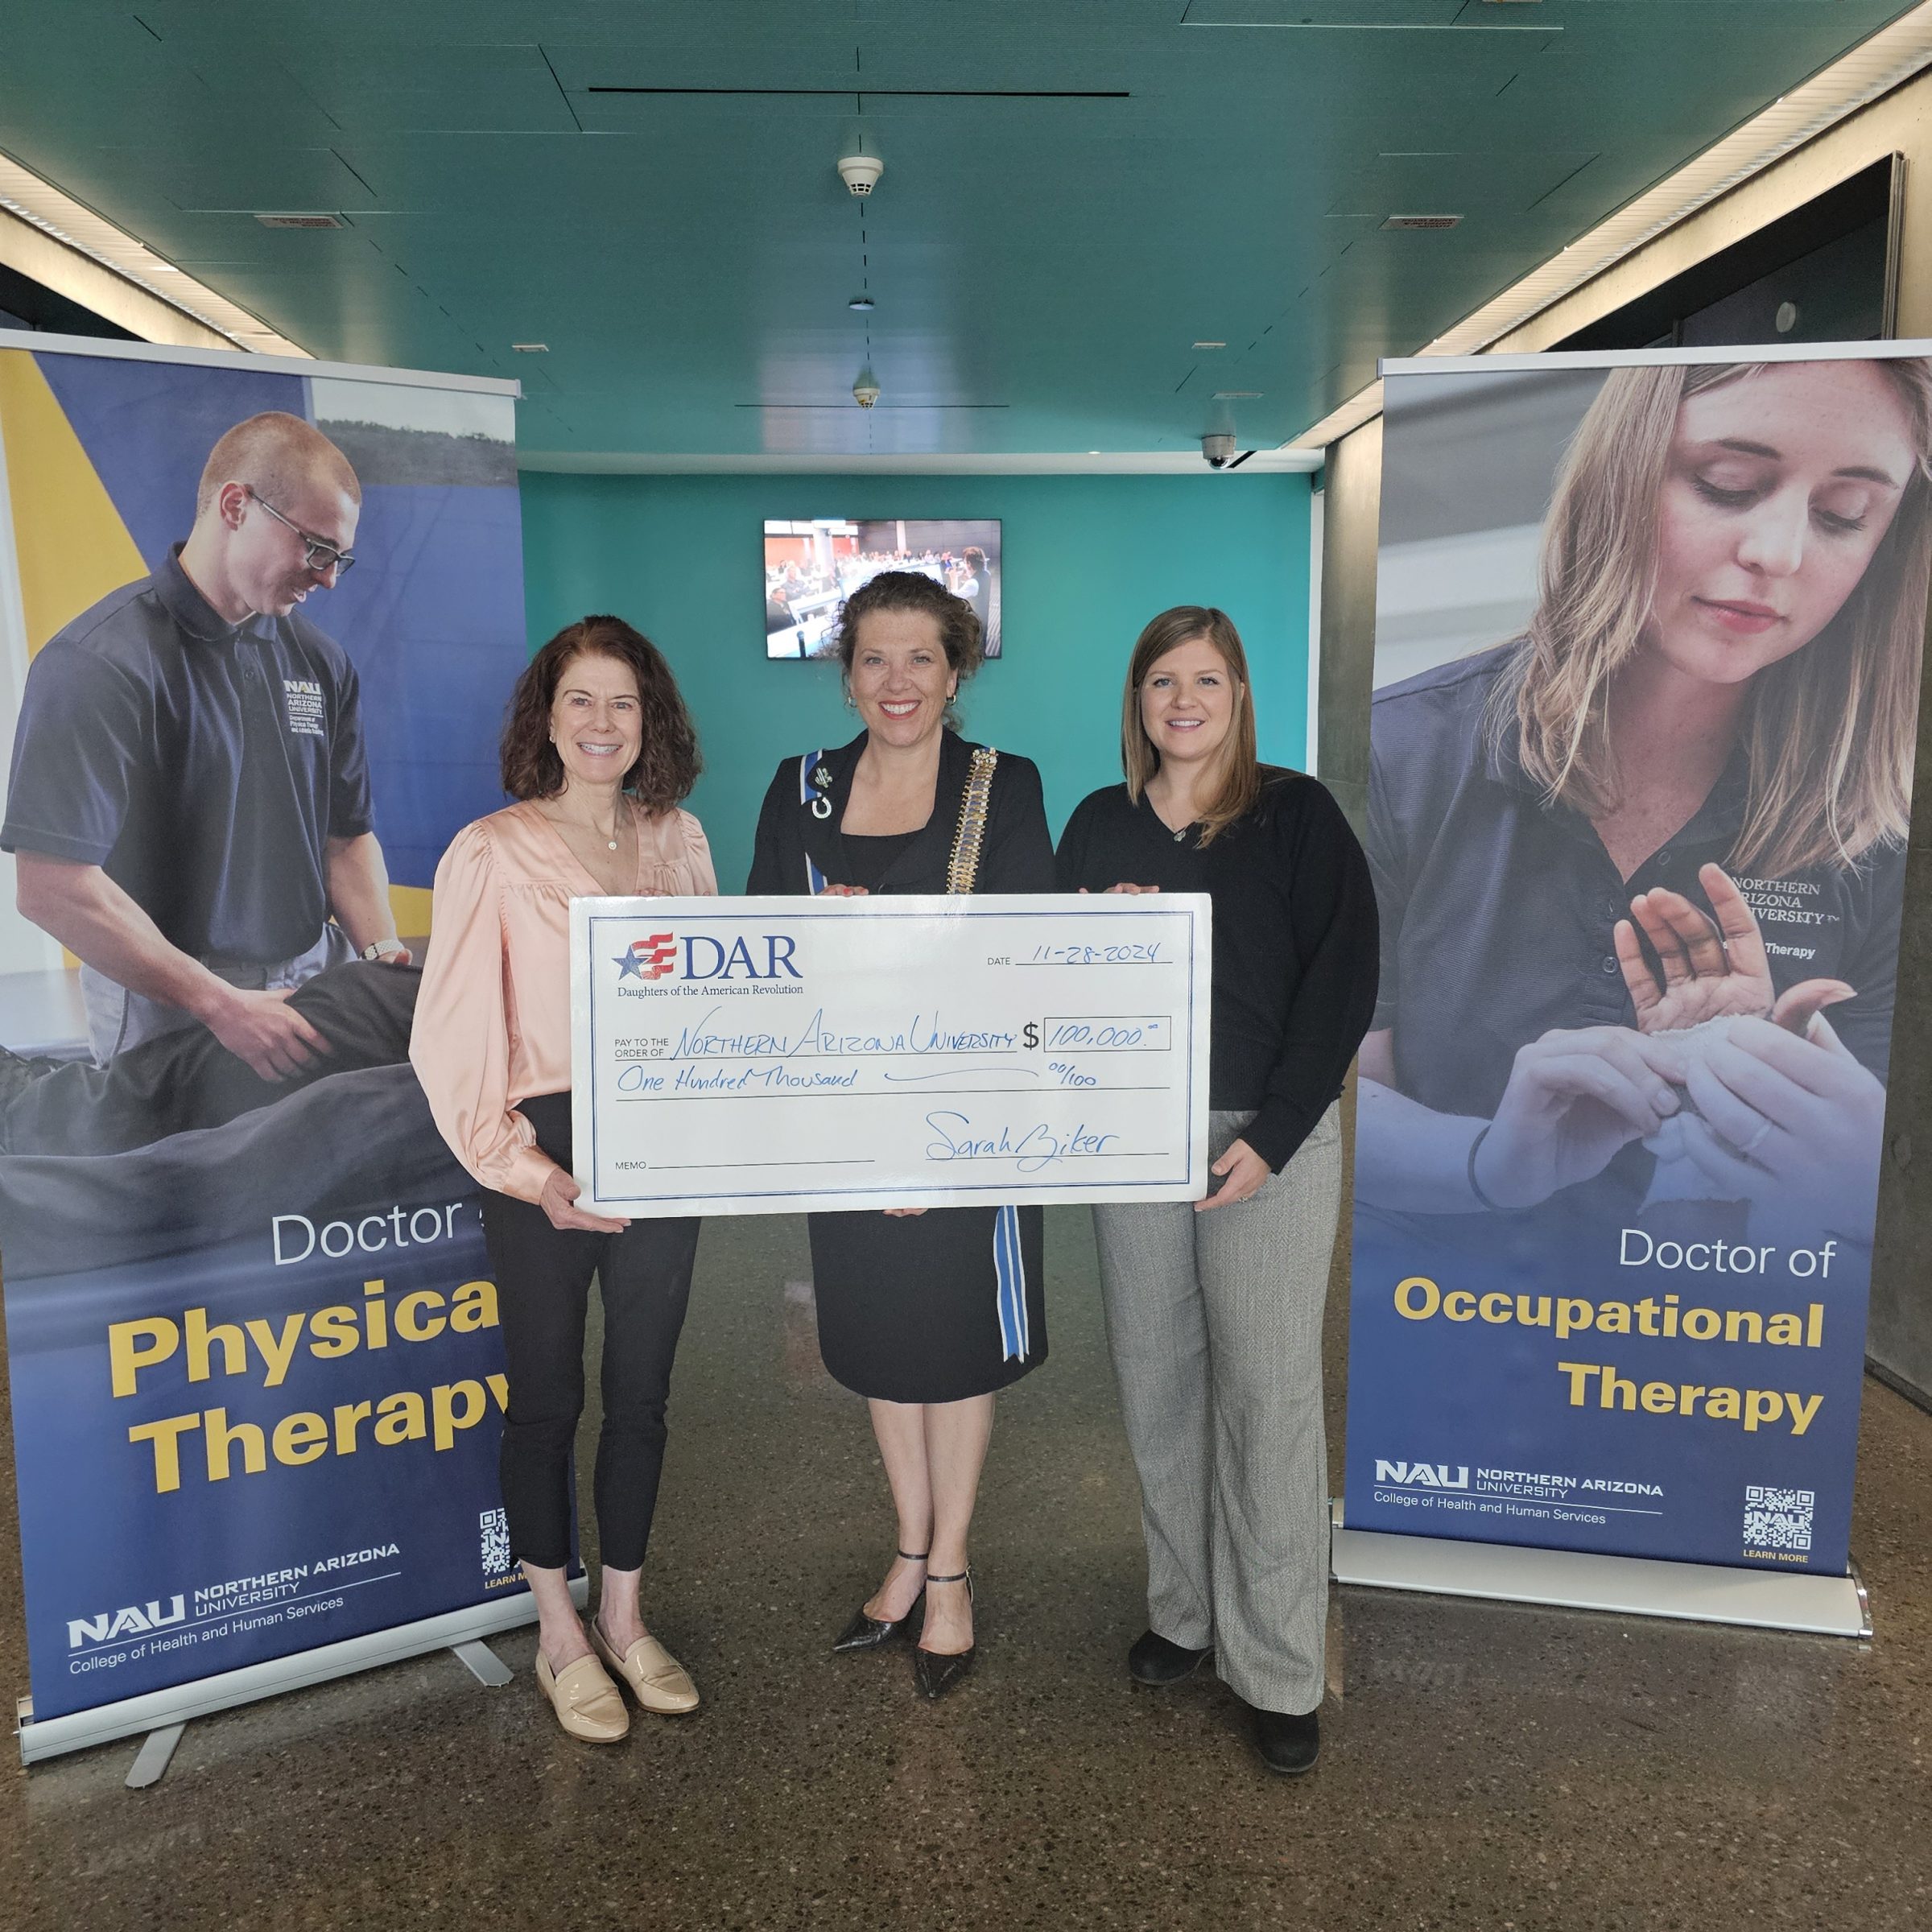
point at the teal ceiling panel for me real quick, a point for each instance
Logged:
(1431, 181)
(220, 179)
(1359, 16)
(367, 90)
(1075, 191)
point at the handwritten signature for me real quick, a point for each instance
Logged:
(1032, 1147)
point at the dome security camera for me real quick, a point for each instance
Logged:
(860, 173)
(1217, 447)
(865, 391)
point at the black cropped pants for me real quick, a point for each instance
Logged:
(543, 1275)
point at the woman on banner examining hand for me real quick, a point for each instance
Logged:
(1708, 728)
(1214, 1308)
(598, 751)
(925, 1314)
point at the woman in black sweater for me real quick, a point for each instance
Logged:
(1214, 1308)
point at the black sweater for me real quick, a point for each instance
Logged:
(1295, 945)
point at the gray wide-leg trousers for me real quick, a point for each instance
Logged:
(1215, 1322)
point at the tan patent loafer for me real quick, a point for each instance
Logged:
(656, 1679)
(588, 1704)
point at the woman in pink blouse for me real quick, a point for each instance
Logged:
(597, 751)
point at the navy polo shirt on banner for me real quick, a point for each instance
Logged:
(1497, 907)
(203, 765)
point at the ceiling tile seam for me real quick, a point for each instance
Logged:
(563, 92)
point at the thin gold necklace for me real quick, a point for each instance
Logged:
(568, 824)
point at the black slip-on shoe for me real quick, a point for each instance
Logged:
(1154, 1659)
(1289, 1744)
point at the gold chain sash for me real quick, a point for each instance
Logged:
(964, 866)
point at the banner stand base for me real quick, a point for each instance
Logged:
(163, 1714)
(152, 1760)
(482, 1663)
(1572, 1579)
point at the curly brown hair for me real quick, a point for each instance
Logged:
(908, 590)
(668, 762)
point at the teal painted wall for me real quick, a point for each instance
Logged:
(1089, 560)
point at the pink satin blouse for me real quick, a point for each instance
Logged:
(493, 1018)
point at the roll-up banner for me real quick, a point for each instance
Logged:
(1649, 634)
(257, 621)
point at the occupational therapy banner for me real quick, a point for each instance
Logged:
(1649, 635)
(257, 623)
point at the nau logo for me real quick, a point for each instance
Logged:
(699, 957)
(1423, 1476)
(134, 1620)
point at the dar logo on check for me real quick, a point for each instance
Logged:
(648, 958)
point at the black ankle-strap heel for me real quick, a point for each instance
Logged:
(866, 1633)
(935, 1672)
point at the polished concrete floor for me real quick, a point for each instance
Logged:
(1485, 1766)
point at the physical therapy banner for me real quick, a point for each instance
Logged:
(1649, 632)
(765, 1056)
(256, 1372)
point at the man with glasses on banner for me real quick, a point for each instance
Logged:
(189, 801)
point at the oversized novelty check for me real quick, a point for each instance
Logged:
(764, 1055)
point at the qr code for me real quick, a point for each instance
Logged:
(495, 1542)
(1778, 1519)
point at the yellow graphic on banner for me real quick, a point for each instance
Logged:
(71, 545)
(411, 905)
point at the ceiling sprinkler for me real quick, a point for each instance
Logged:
(865, 389)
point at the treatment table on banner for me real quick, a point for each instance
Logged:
(767, 1055)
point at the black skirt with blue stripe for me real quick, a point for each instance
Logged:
(932, 1307)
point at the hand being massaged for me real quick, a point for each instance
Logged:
(1780, 1112)
(1752, 1086)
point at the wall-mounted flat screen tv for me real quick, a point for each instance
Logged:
(812, 566)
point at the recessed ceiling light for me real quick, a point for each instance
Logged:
(1093, 452)
(863, 303)
(532, 349)
(1422, 221)
(1210, 346)
(301, 220)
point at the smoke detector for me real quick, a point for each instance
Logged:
(865, 389)
(860, 173)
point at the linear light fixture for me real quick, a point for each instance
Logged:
(42, 205)
(1883, 61)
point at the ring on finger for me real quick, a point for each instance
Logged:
(1749, 1147)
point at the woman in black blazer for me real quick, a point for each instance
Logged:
(925, 1314)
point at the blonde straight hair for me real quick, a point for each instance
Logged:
(1241, 775)
(1829, 731)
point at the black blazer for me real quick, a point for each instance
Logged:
(1017, 855)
